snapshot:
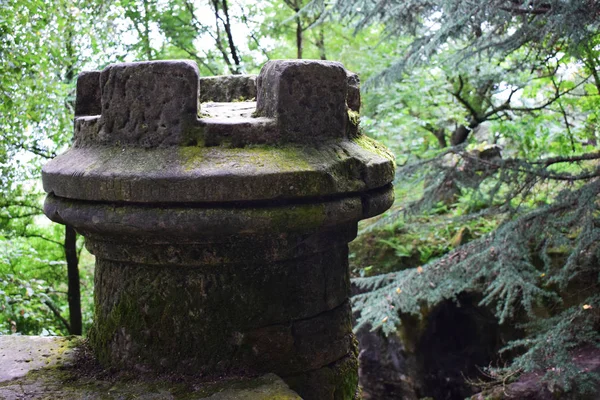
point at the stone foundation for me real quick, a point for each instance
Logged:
(42, 368)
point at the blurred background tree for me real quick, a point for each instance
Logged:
(491, 108)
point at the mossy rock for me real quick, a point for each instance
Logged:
(50, 368)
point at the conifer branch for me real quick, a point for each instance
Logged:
(556, 160)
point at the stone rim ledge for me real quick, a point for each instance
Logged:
(160, 219)
(216, 174)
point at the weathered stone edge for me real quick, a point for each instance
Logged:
(51, 371)
(214, 174)
(139, 220)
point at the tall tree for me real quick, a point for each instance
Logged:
(223, 21)
(142, 15)
(42, 47)
(303, 21)
(180, 29)
(521, 74)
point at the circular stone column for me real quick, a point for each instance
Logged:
(221, 243)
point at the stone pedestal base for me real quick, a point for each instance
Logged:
(221, 241)
(243, 305)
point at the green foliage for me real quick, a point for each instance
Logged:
(481, 28)
(554, 342)
(399, 240)
(42, 47)
(33, 284)
(22, 293)
(490, 107)
(544, 251)
(504, 267)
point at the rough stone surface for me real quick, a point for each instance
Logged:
(307, 98)
(353, 97)
(276, 325)
(86, 130)
(34, 367)
(243, 109)
(227, 88)
(239, 131)
(216, 174)
(87, 101)
(385, 367)
(221, 238)
(353, 103)
(21, 354)
(333, 381)
(153, 104)
(148, 104)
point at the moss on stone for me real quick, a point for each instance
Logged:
(347, 376)
(285, 157)
(354, 117)
(307, 215)
(337, 381)
(126, 322)
(374, 146)
(66, 382)
(199, 173)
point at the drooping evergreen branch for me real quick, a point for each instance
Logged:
(572, 159)
(513, 268)
(498, 265)
(550, 349)
(528, 167)
(484, 26)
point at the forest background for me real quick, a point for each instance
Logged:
(491, 108)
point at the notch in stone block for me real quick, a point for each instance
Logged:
(306, 97)
(149, 104)
(87, 100)
(227, 88)
(353, 98)
(353, 103)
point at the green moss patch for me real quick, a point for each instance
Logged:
(74, 374)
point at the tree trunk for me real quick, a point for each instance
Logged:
(74, 291)
(146, 37)
(70, 242)
(217, 37)
(440, 135)
(298, 37)
(232, 48)
(321, 43)
(459, 135)
(296, 5)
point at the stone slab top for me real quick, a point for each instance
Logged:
(142, 136)
(21, 354)
(215, 174)
(33, 367)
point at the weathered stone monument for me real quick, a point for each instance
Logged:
(221, 233)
